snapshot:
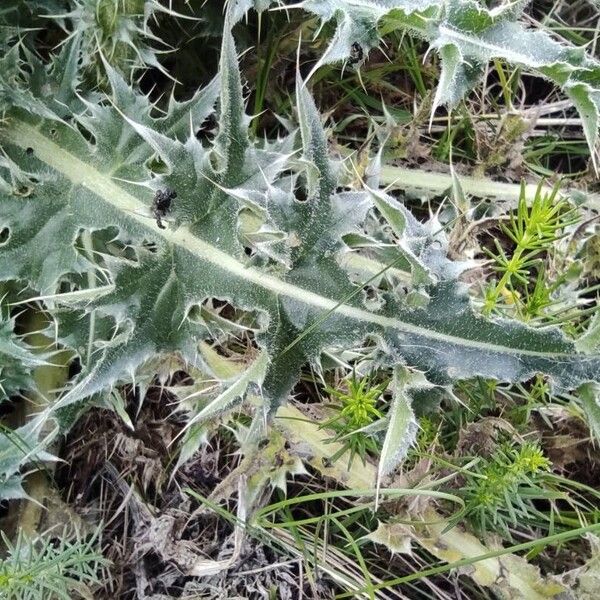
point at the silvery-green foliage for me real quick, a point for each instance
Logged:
(237, 9)
(17, 361)
(264, 226)
(24, 446)
(467, 35)
(402, 429)
(118, 33)
(20, 449)
(589, 396)
(22, 17)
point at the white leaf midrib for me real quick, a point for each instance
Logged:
(81, 173)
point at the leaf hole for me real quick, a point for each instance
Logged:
(206, 131)
(231, 320)
(372, 298)
(150, 246)
(157, 165)
(66, 286)
(85, 133)
(370, 292)
(74, 367)
(98, 246)
(195, 314)
(23, 191)
(29, 151)
(300, 194)
(4, 236)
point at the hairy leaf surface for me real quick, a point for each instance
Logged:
(18, 449)
(467, 36)
(96, 173)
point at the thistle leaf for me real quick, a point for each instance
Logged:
(456, 77)
(467, 35)
(589, 394)
(16, 360)
(100, 177)
(235, 390)
(19, 448)
(402, 428)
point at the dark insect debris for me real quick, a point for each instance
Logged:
(162, 205)
(356, 53)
